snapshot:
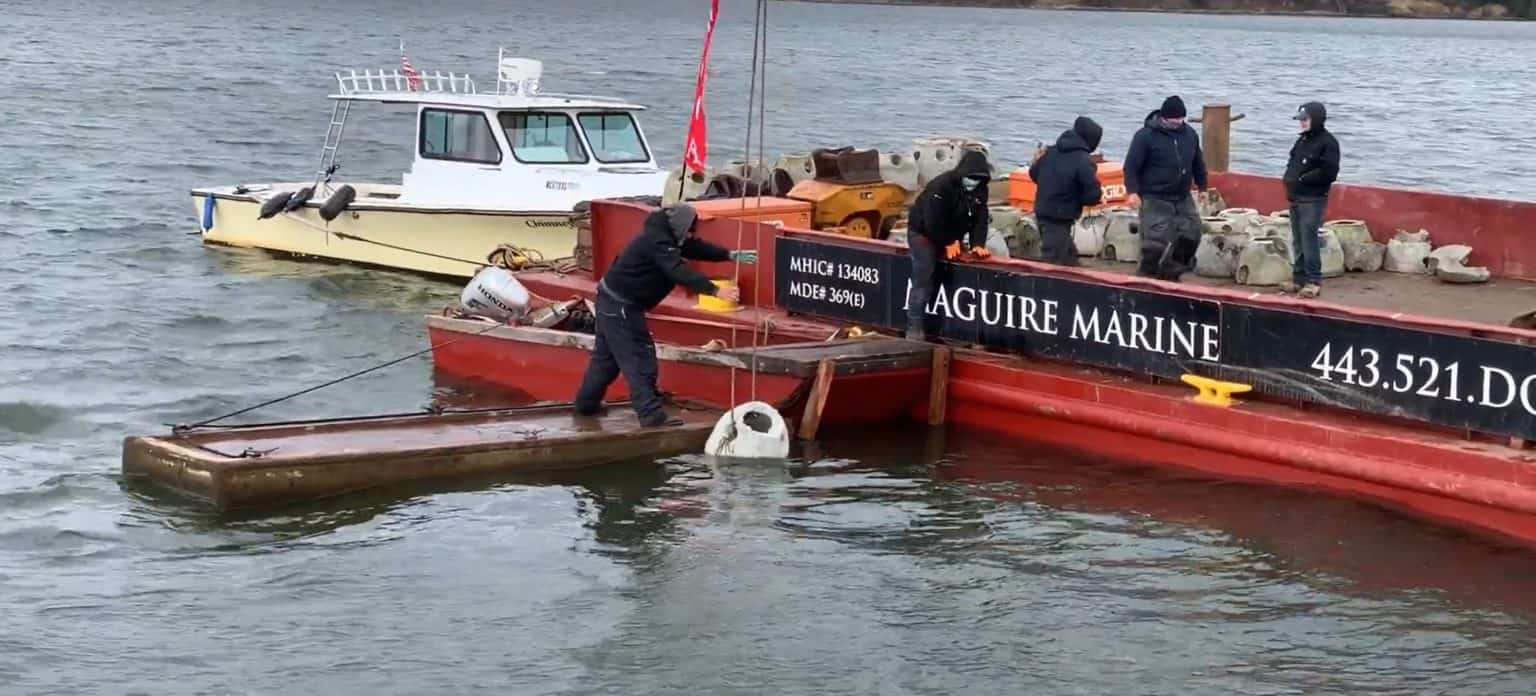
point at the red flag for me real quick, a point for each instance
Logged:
(698, 141)
(412, 78)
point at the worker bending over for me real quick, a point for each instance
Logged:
(1066, 179)
(645, 272)
(950, 208)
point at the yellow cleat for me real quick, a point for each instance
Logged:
(1214, 392)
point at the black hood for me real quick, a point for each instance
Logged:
(1070, 141)
(1088, 132)
(974, 163)
(1155, 121)
(1314, 110)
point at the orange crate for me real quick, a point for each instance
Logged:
(1021, 189)
(786, 211)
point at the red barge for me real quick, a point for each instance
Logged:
(1404, 403)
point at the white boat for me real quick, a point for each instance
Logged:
(490, 168)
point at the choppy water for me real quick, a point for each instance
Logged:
(887, 564)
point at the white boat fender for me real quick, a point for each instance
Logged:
(274, 205)
(338, 202)
(494, 293)
(751, 430)
(299, 198)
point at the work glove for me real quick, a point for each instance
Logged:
(952, 252)
(746, 256)
(980, 252)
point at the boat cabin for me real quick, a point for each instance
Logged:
(516, 149)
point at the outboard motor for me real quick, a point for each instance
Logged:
(494, 293)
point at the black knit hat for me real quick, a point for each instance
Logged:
(1173, 107)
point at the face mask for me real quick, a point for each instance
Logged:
(970, 183)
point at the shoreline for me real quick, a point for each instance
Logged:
(1258, 12)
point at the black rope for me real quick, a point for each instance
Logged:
(185, 427)
(344, 235)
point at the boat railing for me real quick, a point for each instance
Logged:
(371, 82)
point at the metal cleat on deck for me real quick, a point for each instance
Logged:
(1215, 392)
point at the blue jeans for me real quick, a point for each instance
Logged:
(925, 275)
(1306, 220)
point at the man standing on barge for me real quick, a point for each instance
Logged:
(1163, 160)
(1309, 177)
(951, 208)
(1066, 179)
(646, 271)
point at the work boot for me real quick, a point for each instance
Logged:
(661, 420)
(1309, 291)
(916, 333)
(1289, 287)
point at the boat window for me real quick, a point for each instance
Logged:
(614, 137)
(460, 136)
(543, 137)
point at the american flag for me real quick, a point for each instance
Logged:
(412, 78)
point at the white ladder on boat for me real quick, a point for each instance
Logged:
(331, 146)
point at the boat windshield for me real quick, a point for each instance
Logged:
(614, 137)
(539, 137)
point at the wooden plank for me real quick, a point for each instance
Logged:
(938, 386)
(810, 420)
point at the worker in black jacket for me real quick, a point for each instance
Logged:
(645, 272)
(951, 208)
(1309, 177)
(1066, 179)
(1162, 162)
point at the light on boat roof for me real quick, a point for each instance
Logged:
(516, 76)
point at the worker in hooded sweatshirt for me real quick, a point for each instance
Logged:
(1309, 176)
(645, 272)
(1066, 179)
(1163, 160)
(951, 208)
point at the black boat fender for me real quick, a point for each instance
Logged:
(338, 202)
(274, 205)
(299, 199)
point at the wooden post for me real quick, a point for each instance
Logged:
(938, 386)
(1216, 136)
(810, 421)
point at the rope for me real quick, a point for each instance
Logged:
(339, 380)
(741, 222)
(762, 127)
(506, 253)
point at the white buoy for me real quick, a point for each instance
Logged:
(751, 430)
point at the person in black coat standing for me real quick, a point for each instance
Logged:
(1162, 162)
(1309, 177)
(951, 208)
(645, 272)
(1066, 179)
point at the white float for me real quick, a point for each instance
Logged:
(751, 430)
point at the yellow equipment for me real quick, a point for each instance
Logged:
(860, 210)
(848, 196)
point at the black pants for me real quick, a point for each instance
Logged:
(925, 277)
(624, 345)
(1056, 243)
(1170, 234)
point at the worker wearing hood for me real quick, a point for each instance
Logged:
(1164, 160)
(951, 209)
(1309, 177)
(1066, 179)
(645, 272)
